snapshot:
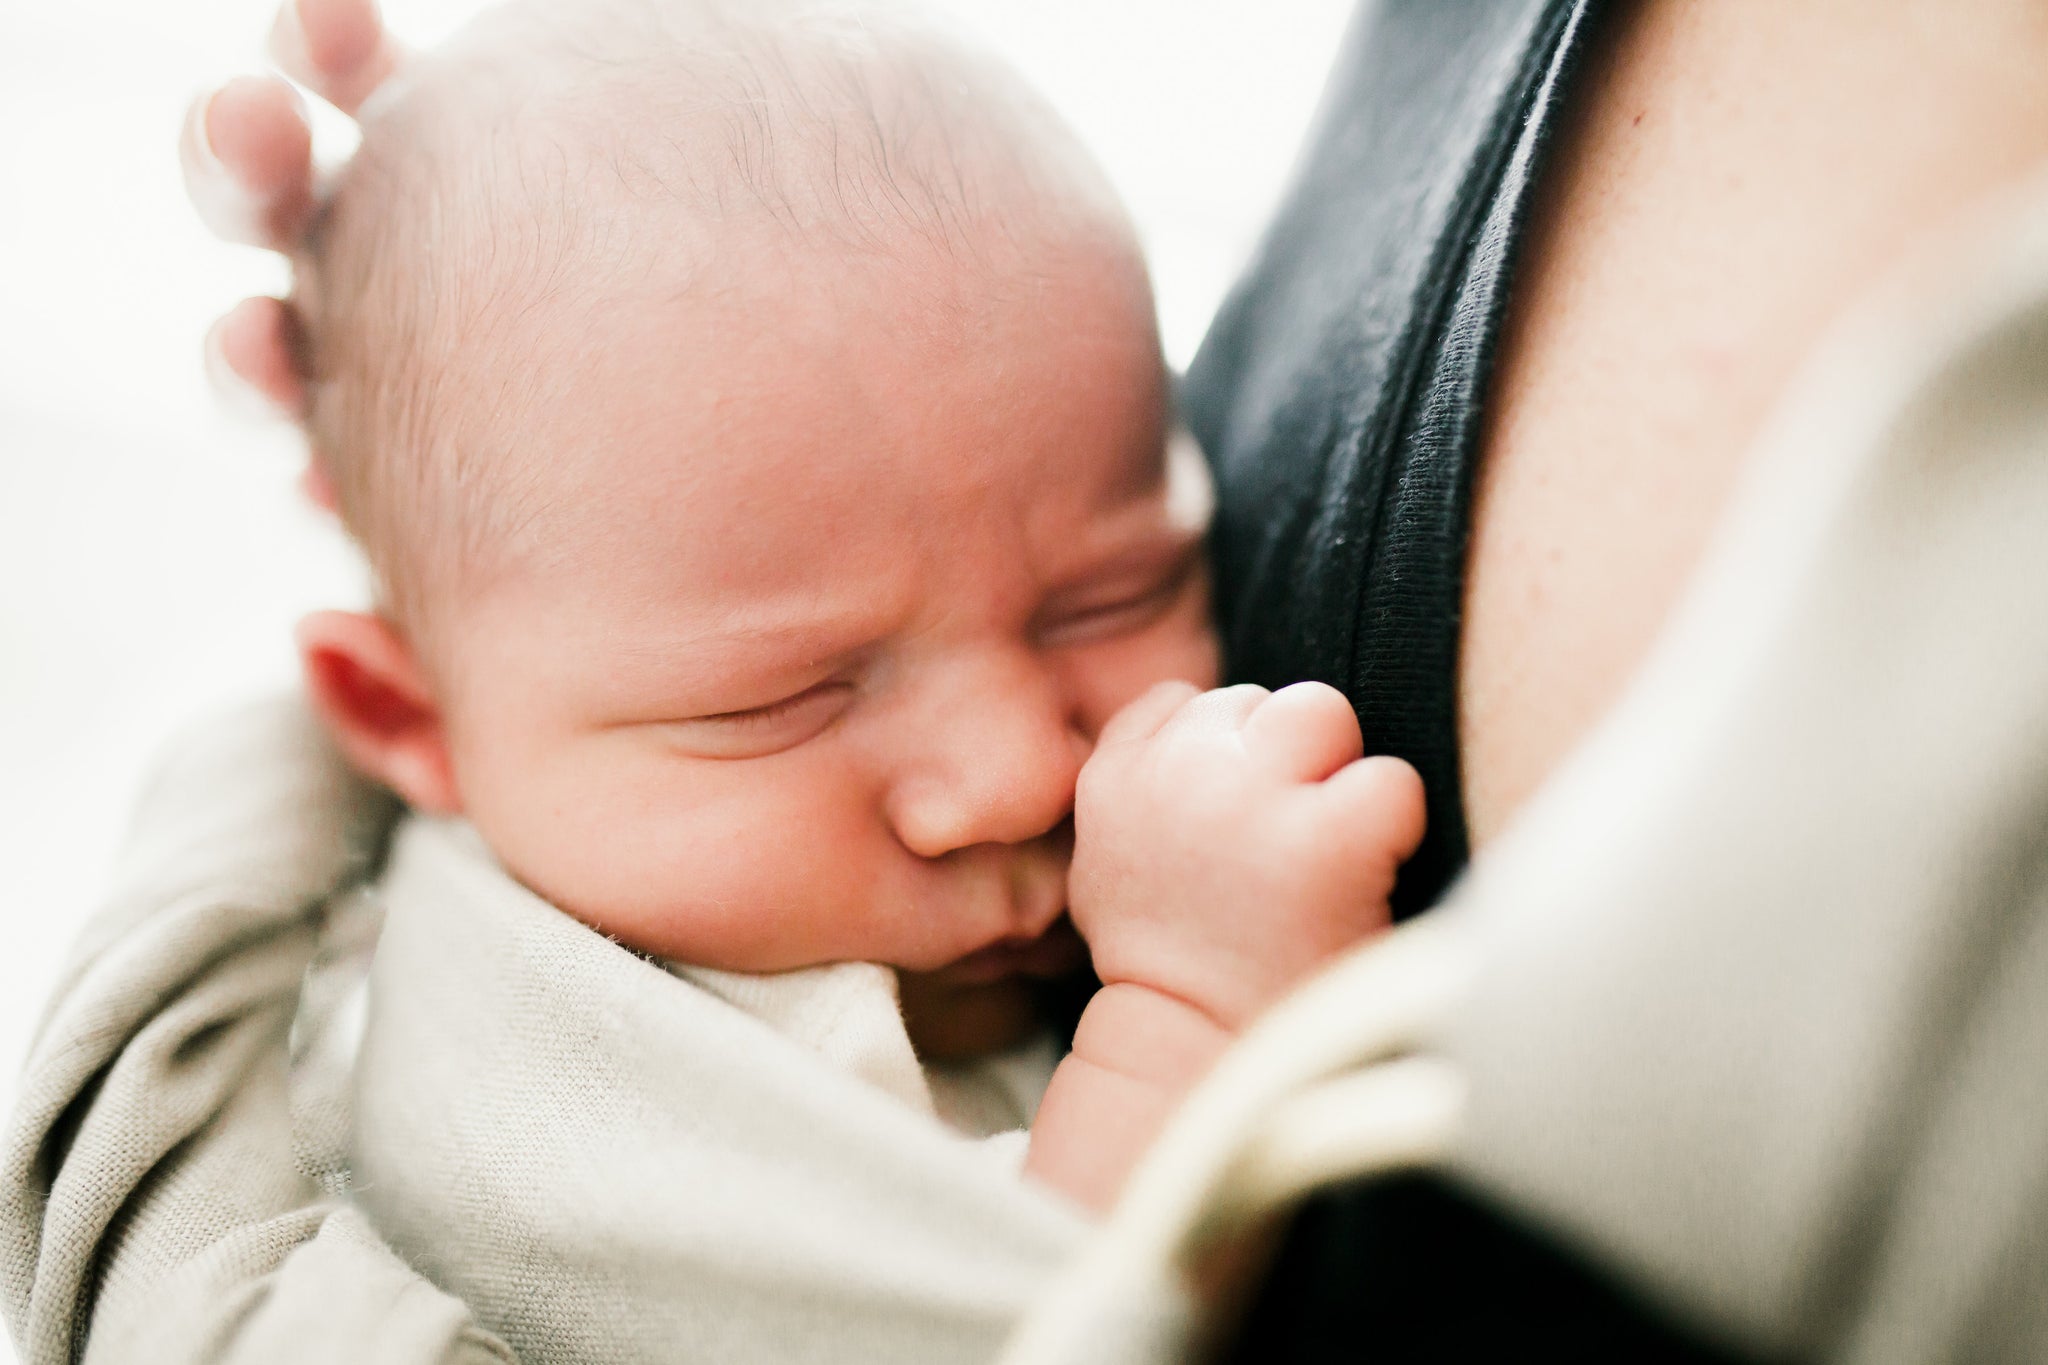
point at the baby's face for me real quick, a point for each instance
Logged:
(840, 573)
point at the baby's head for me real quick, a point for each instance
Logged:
(754, 416)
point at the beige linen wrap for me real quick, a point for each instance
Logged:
(564, 1151)
(609, 1162)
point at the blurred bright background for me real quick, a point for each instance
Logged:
(152, 552)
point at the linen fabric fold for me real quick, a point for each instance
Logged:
(610, 1160)
(158, 1201)
(603, 1160)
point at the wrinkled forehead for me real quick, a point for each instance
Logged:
(729, 420)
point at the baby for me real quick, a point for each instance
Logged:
(753, 414)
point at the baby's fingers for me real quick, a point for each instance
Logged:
(339, 49)
(247, 154)
(1378, 806)
(1141, 719)
(1221, 710)
(1304, 733)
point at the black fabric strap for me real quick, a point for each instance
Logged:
(1337, 393)
(1411, 1271)
(1339, 396)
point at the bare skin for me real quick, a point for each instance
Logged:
(1194, 809)
(1736, 173)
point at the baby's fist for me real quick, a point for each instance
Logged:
(1228, 842)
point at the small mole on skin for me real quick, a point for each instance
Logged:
(1636, 122)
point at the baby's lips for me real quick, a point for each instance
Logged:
(1057, 952)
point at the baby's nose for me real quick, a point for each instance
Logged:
(990, 799)
(995, 768)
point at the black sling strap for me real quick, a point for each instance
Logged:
(1338, 391)
(1338, 395)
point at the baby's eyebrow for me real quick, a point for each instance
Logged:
(779, 633)
(1141, 548)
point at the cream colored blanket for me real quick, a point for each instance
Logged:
(609, 1162)
(602, 1161)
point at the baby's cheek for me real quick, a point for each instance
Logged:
(708, 886)
(1182, 647)
(735, 865)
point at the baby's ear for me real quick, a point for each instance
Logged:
(371, 693)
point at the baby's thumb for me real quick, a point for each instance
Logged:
(1382, 798)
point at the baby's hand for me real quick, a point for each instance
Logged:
(1229, 842)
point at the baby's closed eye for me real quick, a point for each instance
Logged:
(768, 728)
(1114, 608)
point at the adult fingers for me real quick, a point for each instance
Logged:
(1304, 733)
(252, 353)
(318, 489)
(247, 154)
(1142, 718)
(339, 49)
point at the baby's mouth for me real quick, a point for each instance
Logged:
(1057, 952)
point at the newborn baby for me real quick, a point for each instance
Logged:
(754, 418)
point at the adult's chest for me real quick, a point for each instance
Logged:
(1727, 178)
(1546, 266)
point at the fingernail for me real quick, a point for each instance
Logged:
(232, 210)
(287, 42)
(198, 115)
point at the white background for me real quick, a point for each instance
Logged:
(152, 555)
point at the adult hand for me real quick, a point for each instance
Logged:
(247, 154)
